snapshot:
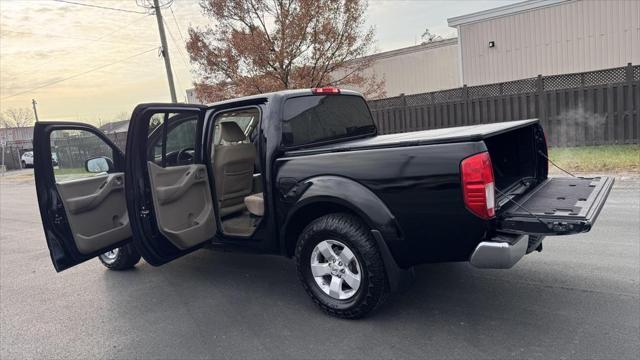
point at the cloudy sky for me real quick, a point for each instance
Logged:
(90, 64)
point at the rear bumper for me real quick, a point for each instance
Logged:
(502, 252)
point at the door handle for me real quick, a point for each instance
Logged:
(170, 193)
(90, 201)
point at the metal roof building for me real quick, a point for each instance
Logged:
(546, 37)
(421, 68)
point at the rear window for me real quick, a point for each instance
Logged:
(315, 119)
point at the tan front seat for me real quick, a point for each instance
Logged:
(233, 164)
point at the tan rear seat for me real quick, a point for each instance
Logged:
(233, 162)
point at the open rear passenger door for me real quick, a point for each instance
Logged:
(168, 188)
(79, 176)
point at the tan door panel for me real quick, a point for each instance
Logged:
(183, 204)
(96, 211)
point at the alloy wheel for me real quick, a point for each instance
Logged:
(336, 269)
(110, 256)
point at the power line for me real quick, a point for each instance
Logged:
(179, 80)
(177, 25)
(121, 28)
(79, 74)
(182, 56)
(150, 5)
(176, 45)
(99, 6)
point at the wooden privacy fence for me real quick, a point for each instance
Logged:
(11, 158)
(590, 108)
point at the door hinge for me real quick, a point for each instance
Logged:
(144, 212)
(57, 219)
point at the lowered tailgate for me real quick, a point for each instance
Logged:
(558, 206)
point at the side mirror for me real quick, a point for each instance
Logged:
(98, 165)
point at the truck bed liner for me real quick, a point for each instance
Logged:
(558, 206)
(562, 196)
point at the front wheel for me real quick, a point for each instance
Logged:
(340, 266)
(122, 258)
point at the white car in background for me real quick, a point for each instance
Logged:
(27, 159)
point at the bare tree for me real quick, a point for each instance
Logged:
(17, 117)
(428, 37)
(259, 46)
(122, 115)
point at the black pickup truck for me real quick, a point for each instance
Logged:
(304, 174)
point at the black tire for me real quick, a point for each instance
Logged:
(349, 230)
(24, 164)
(126, 258)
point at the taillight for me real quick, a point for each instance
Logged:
(478, 185)
(327, 90)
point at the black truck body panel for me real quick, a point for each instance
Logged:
(406, 187)
(421, 188)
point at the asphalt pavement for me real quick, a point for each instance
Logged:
(579, 298)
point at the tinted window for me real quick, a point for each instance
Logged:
(182, 136)
(313, 119)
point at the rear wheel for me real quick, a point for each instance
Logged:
(122, 258)
(340, 266)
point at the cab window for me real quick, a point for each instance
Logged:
(316, 119)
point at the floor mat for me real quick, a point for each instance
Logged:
(242, 224)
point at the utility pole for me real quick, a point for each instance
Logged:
(165, 51)
(35, 111)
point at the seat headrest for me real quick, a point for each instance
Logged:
(231, 132)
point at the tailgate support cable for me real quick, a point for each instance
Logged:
(509, 198)
(554, 164)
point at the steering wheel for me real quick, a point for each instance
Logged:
(184, 157)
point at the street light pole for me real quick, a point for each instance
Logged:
(165, 51)
(35, 111)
